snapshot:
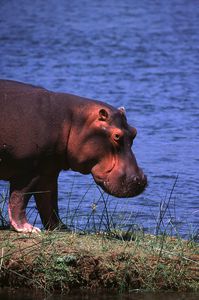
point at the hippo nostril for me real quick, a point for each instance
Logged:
(140, 180)
(136, 179)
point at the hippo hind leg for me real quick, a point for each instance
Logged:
(20, 193)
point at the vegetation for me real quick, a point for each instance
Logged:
(63, 261)
(102, 255)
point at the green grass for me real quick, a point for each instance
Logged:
(102, 254)
(63, 261)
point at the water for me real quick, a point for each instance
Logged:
(26, 295)
(141, 55)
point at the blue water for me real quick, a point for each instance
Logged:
(143, 55)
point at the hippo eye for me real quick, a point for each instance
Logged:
(116, 137)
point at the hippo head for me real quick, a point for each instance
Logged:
(101, 145)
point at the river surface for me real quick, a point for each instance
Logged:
(143, 55)
(27, 295)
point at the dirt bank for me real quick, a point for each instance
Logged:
(63, 261)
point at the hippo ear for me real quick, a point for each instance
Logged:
(122, 110)
(103, 115)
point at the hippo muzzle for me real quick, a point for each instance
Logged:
(123, 186)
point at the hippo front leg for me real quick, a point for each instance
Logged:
(20, 193)
(46, 200)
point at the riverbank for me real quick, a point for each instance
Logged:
(65, 261)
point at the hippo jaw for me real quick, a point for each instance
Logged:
(122, 186)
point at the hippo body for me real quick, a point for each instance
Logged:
(43, 132)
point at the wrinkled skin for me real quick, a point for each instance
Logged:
(42, 133)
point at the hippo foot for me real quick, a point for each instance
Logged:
(25, 228)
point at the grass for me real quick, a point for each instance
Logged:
(63, 261)
(102, 254)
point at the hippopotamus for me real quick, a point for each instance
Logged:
(43, 132)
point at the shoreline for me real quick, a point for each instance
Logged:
(63, 261)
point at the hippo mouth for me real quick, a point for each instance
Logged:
(122, 188)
